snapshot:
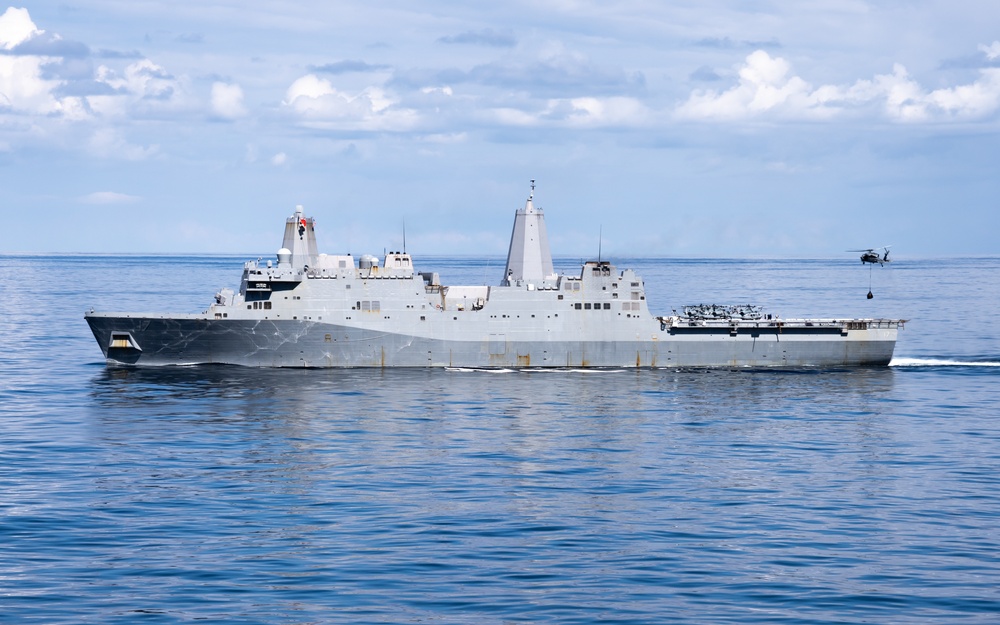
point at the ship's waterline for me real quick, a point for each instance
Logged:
(316, 310)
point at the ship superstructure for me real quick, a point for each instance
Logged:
(307, 309)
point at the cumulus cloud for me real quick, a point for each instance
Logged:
(45, 76)
(143, 79)
(227, 101)
(768, 89)
(24, 87)
(763, 85)
(279, 159)
(16, 27)
(319, 103)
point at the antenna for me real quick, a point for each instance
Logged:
(404, 236)
(600, 242)
(532, 194)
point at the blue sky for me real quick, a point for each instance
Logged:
(682, 128)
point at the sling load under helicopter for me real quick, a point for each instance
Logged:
(870, 256)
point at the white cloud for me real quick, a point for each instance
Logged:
(991, 51)
(43, 76)
(279, 159)
(317, 101)
(110, 143)
(227, 101)
(307, 89)
(766, 89)
(583, 112)
(109, 197)
(16, 27)
(446, 90)
(22, 87)
(592, 112)
(508, 116)
(975, 100)
(764, 85)
(142, 87)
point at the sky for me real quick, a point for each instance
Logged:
(689, 128)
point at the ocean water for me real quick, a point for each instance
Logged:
(232, 495)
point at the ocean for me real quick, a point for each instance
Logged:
(235, 495)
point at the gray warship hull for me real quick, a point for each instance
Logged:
(318, 310)
(151, 340)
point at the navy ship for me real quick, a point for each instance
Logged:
(307, 309)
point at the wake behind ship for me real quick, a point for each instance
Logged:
(308, 309)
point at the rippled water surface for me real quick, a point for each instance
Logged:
(233, 495)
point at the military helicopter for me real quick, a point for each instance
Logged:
(871, 256)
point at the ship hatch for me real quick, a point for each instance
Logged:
(123, 340)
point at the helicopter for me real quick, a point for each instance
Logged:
(871, 256)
